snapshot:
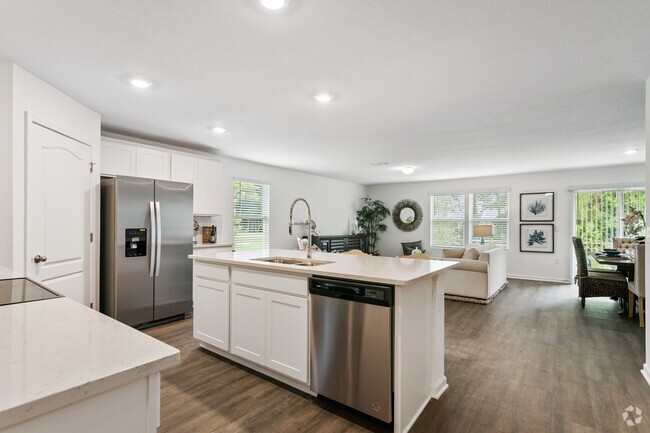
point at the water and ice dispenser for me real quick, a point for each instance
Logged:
(136, 242)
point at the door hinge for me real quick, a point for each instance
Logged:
(92, 166)
(92, 237)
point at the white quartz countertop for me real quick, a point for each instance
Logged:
(389, 270)
(56, 352)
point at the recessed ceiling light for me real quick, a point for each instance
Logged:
(274, 4)
(408, 170)
(631, 151)
(323, 97)
(140, 83)
(218, 130)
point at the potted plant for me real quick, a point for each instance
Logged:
(370, 219)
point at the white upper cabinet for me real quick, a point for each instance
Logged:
(208, 193)
(205, 174)
(153, 164)
(117, 159)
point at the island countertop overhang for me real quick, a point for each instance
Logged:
(397, 271)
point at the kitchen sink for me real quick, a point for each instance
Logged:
(292, 261)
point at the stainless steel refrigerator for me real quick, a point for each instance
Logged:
(146, 236)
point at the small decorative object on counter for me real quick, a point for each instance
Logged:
(213, 235)
(206, 234)
(196, 229)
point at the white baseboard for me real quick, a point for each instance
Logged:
(534, 278)
(439, 388)
(646, 372)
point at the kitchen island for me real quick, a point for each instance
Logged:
(253, 308)
(66, 367)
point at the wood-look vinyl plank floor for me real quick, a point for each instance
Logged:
(531, 361)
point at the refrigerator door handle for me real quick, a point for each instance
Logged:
(152, 248)
(158, 238)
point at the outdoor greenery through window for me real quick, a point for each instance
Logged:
(600, 215)
(251, 215)
(451, 225)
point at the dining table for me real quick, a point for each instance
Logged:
(623, 262)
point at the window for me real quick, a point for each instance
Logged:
(451, 225)
(600, 214)
(490, 208)
(251, 215)
(448, 220)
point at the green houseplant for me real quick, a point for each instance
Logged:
(370, 218)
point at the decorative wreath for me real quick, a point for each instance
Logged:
(417, 219)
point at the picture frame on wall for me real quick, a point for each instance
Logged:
(537, 238)
(537, 206)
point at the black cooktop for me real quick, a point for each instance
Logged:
(18, 290)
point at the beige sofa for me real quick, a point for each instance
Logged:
(480, 276)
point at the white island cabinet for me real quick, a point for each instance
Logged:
(67, 368)
(264, 308)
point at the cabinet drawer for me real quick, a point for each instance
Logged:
(211, 272)
(291, 284)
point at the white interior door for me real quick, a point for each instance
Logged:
(58, 210)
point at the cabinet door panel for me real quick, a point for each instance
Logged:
(185, 169)
(287, 335)
(211, 312)
(117, 159)
(208, 189)
(153, 164)
(248, 323)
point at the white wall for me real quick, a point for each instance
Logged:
(333, 203)
(646, 366)
(550, 267)
(6, 172)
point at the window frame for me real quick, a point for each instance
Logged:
(265, 218)
(467, 218)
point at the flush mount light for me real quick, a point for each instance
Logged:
(323, 97)
(408, 170)
(219, 130)
(631, 151)
(140, 83)
(274, 5)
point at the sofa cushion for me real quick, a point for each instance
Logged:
(453, 253)
(471, 266)
(471, 254)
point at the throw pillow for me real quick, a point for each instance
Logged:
(471, 254)
(453, 253)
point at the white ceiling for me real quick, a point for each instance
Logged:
(454, 88)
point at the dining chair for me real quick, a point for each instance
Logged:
(637, 287)
(355, 252)
(623, 244)
(593, 283)
(420, 256)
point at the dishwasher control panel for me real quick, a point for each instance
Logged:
(356, 291)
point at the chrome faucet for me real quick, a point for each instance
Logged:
(308, 223)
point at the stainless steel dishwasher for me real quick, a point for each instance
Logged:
(351, 355)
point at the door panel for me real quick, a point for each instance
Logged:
(58, 210)
(248, 325)
(173, 283)
(286, 335)
(211, 312)
(133, 284)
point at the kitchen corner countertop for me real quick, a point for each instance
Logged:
(388, 270)
(202, 245)
(56, 352)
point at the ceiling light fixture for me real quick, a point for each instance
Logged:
(324, 97)
(274, 5)
(219, 130)
(140, 83)
(408, 170)
(631, 151)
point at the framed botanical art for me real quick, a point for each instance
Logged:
(536, 238)
(536, 206)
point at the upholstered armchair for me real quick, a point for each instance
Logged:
(594, 284)
(623, 244)
(637, 287)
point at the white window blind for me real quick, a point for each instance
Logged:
(490, 208)
(251, 215)
(600, 214)
(448, 220)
